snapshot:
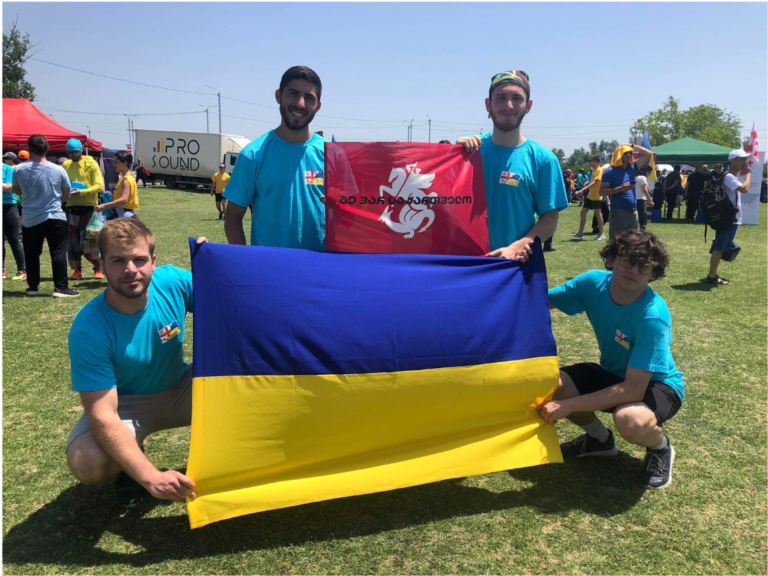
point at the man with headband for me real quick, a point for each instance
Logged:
(619, 184)
(522, 178)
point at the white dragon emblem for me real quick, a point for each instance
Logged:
(408, 185)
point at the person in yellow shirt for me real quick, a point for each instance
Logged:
(87, 183)
(593, 200)
(127, 201)
(218, 184)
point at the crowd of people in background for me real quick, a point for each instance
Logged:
(59, 197)
(636, 380)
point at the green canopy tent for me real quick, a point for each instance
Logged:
(690, 151)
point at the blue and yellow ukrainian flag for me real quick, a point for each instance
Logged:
(324, 375)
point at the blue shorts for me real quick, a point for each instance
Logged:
(724, 239)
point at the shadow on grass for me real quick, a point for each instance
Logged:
(68, 530)
(88, 284)
(699, 286)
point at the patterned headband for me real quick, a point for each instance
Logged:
(519, 77)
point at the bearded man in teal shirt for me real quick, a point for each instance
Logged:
(523, 179)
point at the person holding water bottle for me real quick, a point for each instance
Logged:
(127, 199)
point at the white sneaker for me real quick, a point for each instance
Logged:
(601, 237)
(578, 235)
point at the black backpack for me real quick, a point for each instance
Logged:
(719, 211)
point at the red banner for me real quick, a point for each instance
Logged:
(404, 198)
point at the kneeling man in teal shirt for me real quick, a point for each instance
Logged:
(636, 380)
(126, 351)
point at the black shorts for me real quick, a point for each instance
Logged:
(219, 197)
(590, 377)
(591, 204)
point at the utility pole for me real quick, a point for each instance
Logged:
(131, 133)
(89, 131)
(207, 124)
(430, 129)
(218, 92)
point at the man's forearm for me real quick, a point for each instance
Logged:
(7, 187)
(609, 397)
(545, 227)
(116, 440)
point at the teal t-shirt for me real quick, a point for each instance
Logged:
(284, 182)
(135, 353)
(8, 197)
(638, 335)
(520, 183)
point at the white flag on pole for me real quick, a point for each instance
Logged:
(753, 149)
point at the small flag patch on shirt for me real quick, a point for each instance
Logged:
(170, 331)
(314, 177)
(622, 339)
(509, 178)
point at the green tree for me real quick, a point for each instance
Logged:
(706, 122)
(16, 52)
(560, 153)
(578, 159)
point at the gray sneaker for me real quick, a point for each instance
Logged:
(657, 467)
(578, 236)
(65, 293)
(586, 445)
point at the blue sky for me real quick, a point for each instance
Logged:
(594, 67)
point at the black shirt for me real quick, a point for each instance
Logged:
(696, 182)
(670, 180)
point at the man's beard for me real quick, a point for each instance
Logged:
(294, 123)
(127, 292)
(507, 127)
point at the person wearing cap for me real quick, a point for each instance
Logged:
(43, 187)
(85, 171)
(522, 178)
(23, 155)
(619, 184)
(11, 221)
(724, 238)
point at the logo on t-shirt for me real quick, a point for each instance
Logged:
(622, 339)
(314, 177)
(509, 178)
(170, 331)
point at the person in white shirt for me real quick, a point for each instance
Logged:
(724, 238)
(644, 199)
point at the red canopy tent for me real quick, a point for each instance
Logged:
(21, 119)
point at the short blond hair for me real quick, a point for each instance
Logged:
(124, 232)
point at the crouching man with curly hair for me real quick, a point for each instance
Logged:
(636, 379)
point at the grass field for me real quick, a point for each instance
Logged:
(584, 517)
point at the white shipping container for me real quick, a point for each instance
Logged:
(186, 157)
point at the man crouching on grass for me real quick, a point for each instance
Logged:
(125, 348)
(636, 380)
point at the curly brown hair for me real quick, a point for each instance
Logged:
(641, 247)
